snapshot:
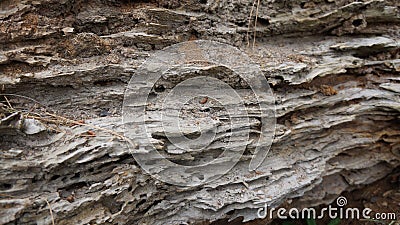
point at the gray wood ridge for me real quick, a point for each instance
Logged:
(333, 67)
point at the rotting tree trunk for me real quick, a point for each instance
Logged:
(333, 66)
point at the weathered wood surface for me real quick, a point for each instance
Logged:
(333, 67)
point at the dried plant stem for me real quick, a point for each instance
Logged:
(56, 119)
(51, 212)
(8, 102)
(122, 137)
(249, 24)
(255, 24)
(22, 96)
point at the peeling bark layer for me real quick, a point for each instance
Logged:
(333, 65)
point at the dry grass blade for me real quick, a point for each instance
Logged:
(8, 102)
(51, 212)
(249, 24)
(59, 120)
(6, 195)
(66, 120)
(25, 97)
(255, 24)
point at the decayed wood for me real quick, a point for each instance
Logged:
(333, 66)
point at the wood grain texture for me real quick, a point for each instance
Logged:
(333, 67)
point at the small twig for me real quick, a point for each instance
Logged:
(51, 212)
(248, 28)
(84, 124)
(255, 24)
(55, 129)
(87, 135)
(66, 120)
(22, 96)
(55, 121)
(8, 102)
(122, 137)
(6, 195)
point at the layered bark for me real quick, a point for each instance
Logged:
(333, 66)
